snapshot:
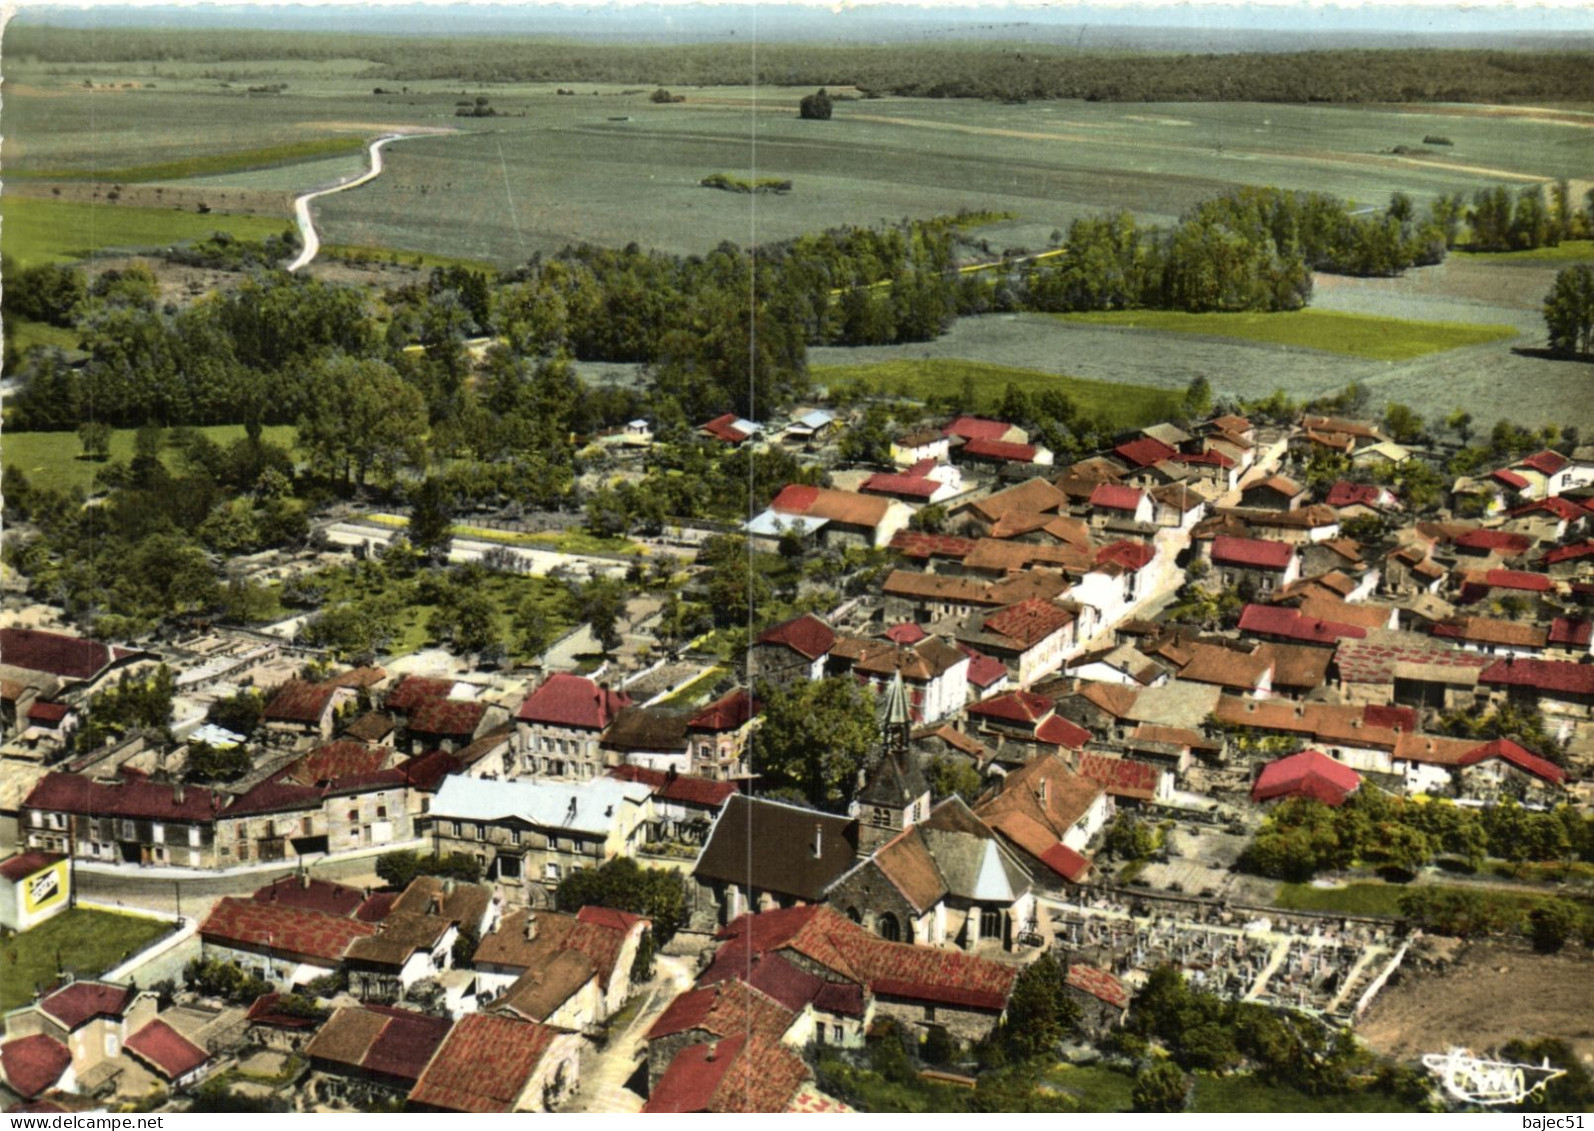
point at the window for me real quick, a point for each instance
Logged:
(880, 815)
(888, 928)
(509, 867)
(929, 1013)
(36, 818)
(453, 828)
(157, 833)
(381, 812)
(514, 837)
(354, 814)
(304, 827)
(481, 832)
(550, 872)
(990, 923)
(838, 1034)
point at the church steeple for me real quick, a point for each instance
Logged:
(896, 793)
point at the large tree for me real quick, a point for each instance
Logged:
(815, 740)
(364, 417)
(1569, 311)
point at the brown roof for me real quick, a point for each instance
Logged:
(846, 507)
(484, 1064)
(598, 942)
(906, 861)
(1489, 630)
(1212, 663)
(646, 728)
(1346, 612)
(1029, 622)
(1036, 495)
(392, 1044)
(276, 927)
(539, 993)
(299, 701)
(1433, 749)
(912, 585)
(1116, 699)
(373, 726)
(926, 660)
(1299, 666)
(992, 555)
(1043, 790)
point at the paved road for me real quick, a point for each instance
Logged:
(603, 1074)
(301, 205)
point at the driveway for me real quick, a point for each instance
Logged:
(604, 1073)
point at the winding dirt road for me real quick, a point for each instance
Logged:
(301, 204)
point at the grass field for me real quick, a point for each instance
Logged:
(50, 231)
(1126, 405)
(360, 255)
(85, 942)
(1355, 899)
(1098, 1089)
(210, 164)
(1359, 335)
(561, 541)
(1572, 251)
(25, 335)
(51, 459)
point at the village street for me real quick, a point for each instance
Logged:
(604, 1072)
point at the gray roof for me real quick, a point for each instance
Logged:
(772, 525)
(1181, 703)
(975, 868)
(547, 804)
(763, 845)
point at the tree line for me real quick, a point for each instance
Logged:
(952, 70)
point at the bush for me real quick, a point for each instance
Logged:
(815, 107)
(1160, 1088)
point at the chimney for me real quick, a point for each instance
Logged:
(819, 839)
(434, 905)
(448, 886)
(1041, 791)
(304, 880)
(179, 792)
(713, 1051)
(531, 926)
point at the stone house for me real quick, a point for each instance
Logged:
(559, 727)
(492, 1062)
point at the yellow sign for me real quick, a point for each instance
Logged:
(45, 889)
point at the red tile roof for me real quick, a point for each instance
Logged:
(720, 428)
(729, 712)
(1495, 541)
(678, 787)
(1570, 553)
(311, 895)
(1099, 984)
(299, 701)
(572, 701)
(1545, 463)
(1024, 707)
(20, 867)
(806, 635)
(1518, 579)
(1113, 496)
(314, 935)
(977, 428)
(1310, 773)
(1001, 449)
(913, 544)
(1345, 494)
(1509, 751)
(131, 796)
(1029, 622)
(33, 1064)
(1063, 732)
(890, 969)
(1276, 620)
(1066, 863)
(166, 1050)
(906, 486)
(846, 507)
(1210, 456)
(1121, 777)
(264, 1011)
(81, 1002)
(1571, 633)
(741, 1074)
(395, 1044)
(454, 717)
(1145, 451)
(1127, 554)
(69, 657)
(984, 671)
(906, 633)
(1251, 553)
(1563, 509)
(337, 760)
(50, 713)
(484, 1064)
(413, 690)
(1550, 676)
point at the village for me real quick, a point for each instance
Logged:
(1104, 700)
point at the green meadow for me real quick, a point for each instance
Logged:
(1126, 405)
(1358, 335)
(54, 459)
(54, 231)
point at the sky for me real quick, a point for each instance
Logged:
(828, 19)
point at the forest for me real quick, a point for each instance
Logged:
(1008, 72)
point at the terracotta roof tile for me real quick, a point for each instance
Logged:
(283, 929)
(79, 1003)
(68, 657)
(33, 1064)
(1252, 553)
(166, 1050)
(484, 1064)
(806, 635)
(1310, 773)
(1099, 984)
(1121, 777)
(413, 690)
(572, 701)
